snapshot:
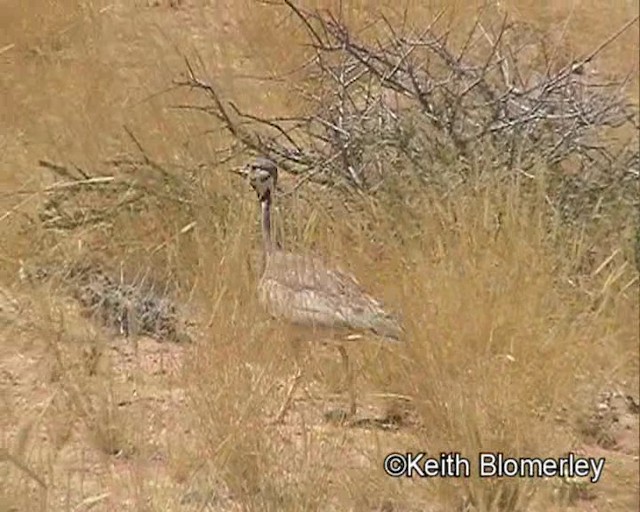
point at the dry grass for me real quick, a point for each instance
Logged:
(514, 325)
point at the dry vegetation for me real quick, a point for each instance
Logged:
(522, 329)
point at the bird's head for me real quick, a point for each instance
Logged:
(262, 175)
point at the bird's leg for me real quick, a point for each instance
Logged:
(350, 380)
(284, 408)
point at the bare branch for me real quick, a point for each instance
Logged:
(413, 103)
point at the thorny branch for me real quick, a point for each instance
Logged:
(417, 103)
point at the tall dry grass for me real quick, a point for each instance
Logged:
(509, 338)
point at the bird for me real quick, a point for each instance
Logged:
(302, 290)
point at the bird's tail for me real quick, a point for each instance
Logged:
(389, 328)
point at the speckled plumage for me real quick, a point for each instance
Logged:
(303, 290)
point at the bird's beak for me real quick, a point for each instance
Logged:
(240, 171)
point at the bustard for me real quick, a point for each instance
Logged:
(301, 289)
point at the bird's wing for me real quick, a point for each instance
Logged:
(300, 271)
(304, 290)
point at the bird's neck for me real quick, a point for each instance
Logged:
(266, 224)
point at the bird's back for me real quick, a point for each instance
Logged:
(303, 290)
